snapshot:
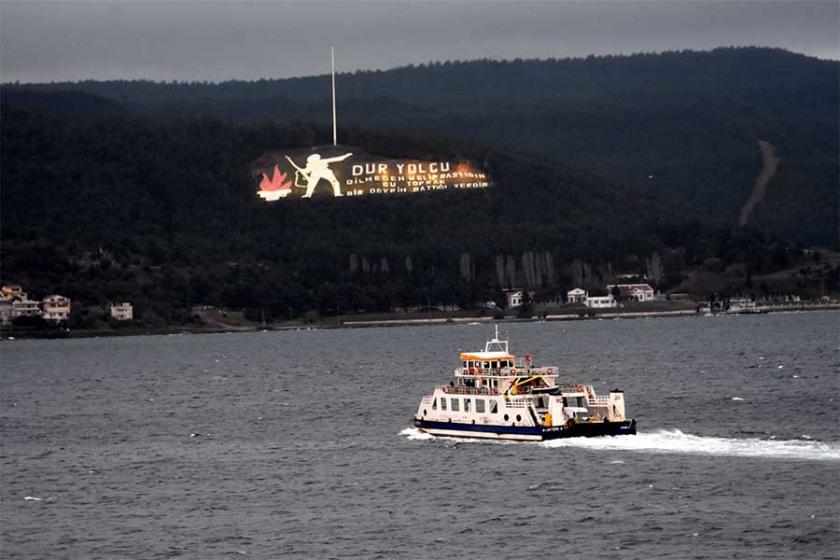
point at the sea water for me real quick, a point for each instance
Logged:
(298, 444)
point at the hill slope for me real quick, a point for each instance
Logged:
(684, 127)
(108, 207)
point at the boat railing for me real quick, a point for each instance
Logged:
(599, 400)
(462, 390)
(573, 388)
(506, 372)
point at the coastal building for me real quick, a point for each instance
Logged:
(600, 302)
(577, 296)
(56, 308)
(737, 305)
(122, 311)
(515, 299)
(13, 292)
(26, 308)
(633, 292)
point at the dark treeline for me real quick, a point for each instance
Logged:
(603, 166)
(163, 212)
(681, 126)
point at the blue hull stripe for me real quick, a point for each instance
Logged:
(520, 430)
(579, 430)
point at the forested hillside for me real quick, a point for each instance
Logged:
(683, 127)
(600, 167)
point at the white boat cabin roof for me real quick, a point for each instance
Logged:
(486, 356)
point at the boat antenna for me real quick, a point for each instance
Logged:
(332, 64)
(497, 331)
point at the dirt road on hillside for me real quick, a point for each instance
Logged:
(769, 162)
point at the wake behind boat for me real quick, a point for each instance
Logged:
(495, 395)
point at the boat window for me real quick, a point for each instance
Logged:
(494, 406)
(495, 365)
(486, 365)
(443, 403)
(573, 401)
(455, 405)
(479, 405)
(434, 404)
(466, 405)
(464, 364)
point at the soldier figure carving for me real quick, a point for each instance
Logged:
(318, 168)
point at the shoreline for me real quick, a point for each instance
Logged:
(588, 315)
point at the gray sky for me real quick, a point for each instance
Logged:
(242, 39)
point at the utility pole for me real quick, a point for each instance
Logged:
(332, 64)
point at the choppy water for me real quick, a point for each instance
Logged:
(299, 445)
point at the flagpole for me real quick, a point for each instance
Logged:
(332, 61)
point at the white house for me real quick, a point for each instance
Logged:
(633, 292)
(601, 302)
(12, 291)
(56, 308)
(577, 296)
(122, 311)
(515, 299)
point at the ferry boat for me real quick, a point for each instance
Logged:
(495, 395)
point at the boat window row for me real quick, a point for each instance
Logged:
(454, 404)
(487, 364)
(481, 383)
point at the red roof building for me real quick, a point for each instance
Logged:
(633, 292)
